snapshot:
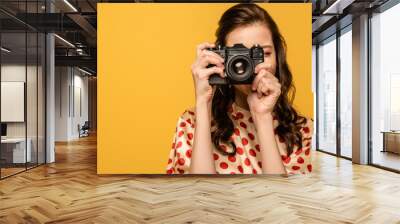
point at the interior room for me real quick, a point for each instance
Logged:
(49, 102)
(22, 101)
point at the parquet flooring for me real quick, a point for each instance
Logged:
(10, 171)
(70, 191)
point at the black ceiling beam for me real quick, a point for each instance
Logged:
(11, 17)
(11, 25)
(81, 61)
(65, 51)
(84, 24)
(49, 22)
(91, 5)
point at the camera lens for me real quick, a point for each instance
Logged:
(239, 67)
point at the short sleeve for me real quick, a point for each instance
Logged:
(181, 149)
(299, 162)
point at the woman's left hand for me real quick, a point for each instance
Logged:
(266, 90)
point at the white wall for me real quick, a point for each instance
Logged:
(71, 87)
(33, 127)
(62, 78)
(16, 73)
(81, 84)
(12, 101)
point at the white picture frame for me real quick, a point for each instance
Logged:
(12, 101)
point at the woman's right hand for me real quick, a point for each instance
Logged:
(201, 73)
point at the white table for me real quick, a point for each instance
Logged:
(18, 144)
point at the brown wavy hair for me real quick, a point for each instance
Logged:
(290, 121)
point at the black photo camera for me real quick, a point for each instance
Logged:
(240, 63)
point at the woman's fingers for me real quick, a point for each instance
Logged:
(267, 84)
(201, 69)
(260, 75)
(259, 91)
(262, 89)
(212, 54)
(263, 65)
(208, 57)
(205, 73)
(203, 46)
(257, 79)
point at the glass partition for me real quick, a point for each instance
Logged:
(346, 93)
(326, 99)
(385, 89)
(14, 153)
(32, 95)
(22, 88)
(41, 107)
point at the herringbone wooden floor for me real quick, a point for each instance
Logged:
(69, 191)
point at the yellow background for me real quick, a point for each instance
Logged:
(144, 80)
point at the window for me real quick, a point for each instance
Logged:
(385, 89)
(346, 92)
(327, 95)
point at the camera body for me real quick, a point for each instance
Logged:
(240, 63)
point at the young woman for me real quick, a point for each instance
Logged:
(243, 129)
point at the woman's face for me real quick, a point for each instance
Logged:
(249, 36)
